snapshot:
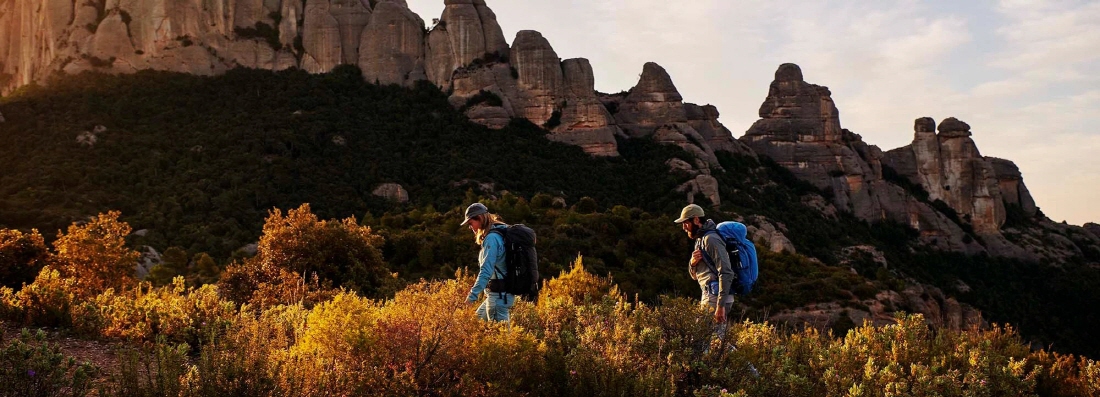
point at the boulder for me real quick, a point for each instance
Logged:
(702, 184)
(392, 192)
(769, 236)
(392, 46)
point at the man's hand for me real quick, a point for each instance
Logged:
(720, 315)
(696, 257)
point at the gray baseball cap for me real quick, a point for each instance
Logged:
(473, 210)
(691, 211)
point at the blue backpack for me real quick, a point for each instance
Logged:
(742, 254)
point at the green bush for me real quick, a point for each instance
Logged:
(31, 366)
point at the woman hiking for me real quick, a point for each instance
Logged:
(498, 303)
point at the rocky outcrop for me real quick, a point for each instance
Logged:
(467, 31)
(969, 184)
(392, 192)
(585, 121)
(392, 46)
(540, 79)
(1093, 228)
(1011, 184)
(703, 184)
(704, 119)
(938, 310)
(652, 103)
(949, 168)
(767, 235)
(800, 129)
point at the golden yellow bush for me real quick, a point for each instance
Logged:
(175, 312)
(95, 255)
(49, 299)
(578, 286)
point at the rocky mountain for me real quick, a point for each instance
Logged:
(940, 184)
(464, 53)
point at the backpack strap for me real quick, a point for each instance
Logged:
(503, 246)
(706, 255)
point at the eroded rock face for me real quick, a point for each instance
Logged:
(392, 46)
(651, 104)
(704, 119)
(124, 36)
(970, 184)
(540, 78)
(585, 121)
(949, 167)
(797, 111)
(467, 31)
(800, 129)
(1011, 184)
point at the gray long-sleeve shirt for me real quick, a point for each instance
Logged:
(722, 272)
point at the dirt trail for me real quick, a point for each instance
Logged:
(102, 354)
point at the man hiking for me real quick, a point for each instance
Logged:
(710, 263)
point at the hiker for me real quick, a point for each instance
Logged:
(497, 303)
(710, 263)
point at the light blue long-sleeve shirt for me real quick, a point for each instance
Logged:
(491, 260)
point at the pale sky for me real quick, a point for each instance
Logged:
(1024, 74)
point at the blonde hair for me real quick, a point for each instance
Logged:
(488, 220)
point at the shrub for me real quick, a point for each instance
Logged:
(578, 286)
(158, 370)
(49, 299)
(22, 255)
(338, 251)
(95, 255)
(175, 313)
(31, 366)
(261, 31)
(488, 98)
(298, 245)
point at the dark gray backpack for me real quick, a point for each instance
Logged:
(522, 261)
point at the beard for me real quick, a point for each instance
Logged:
(693, 231)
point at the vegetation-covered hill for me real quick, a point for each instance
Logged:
(197, 163)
